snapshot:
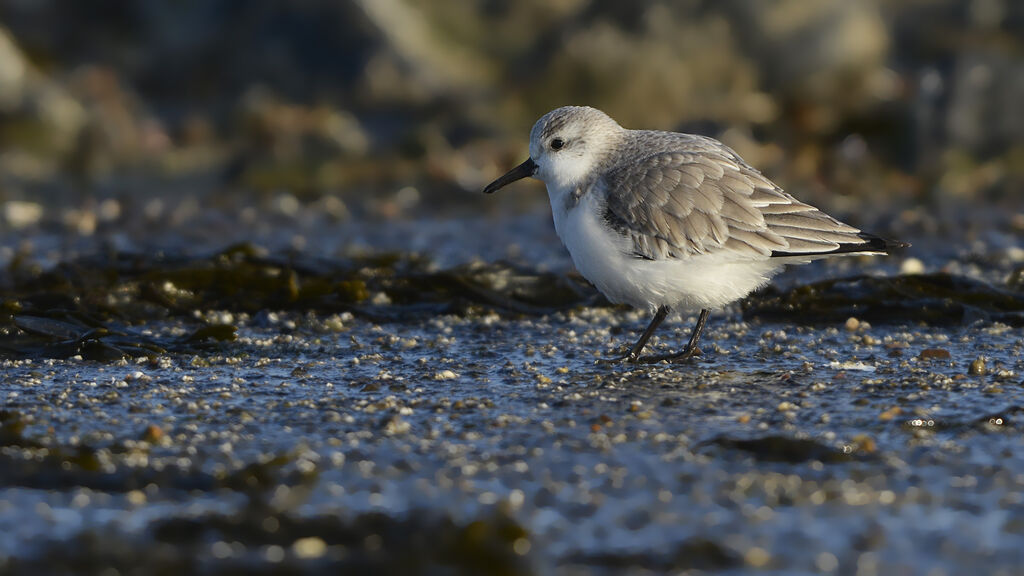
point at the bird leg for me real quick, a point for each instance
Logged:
(686, 353)
(634, 353)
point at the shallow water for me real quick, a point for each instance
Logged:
(482, 438)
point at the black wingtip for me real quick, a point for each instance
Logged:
(877, 243)
(872, 245)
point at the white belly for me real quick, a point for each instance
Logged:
(606, 259)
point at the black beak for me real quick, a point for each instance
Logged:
(524, 170)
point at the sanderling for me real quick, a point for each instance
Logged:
(671, 221)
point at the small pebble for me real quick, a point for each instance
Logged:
(890, 413)
(273, 553)
(977, 368)
(757, 557)
(136, 497)
(912, 266)
(152, 434)
(334, 324)
(852, 324)
(934, 354)
(311, 547)
(864, 443)
(395, 426)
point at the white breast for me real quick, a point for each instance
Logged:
(606, 258)
(596, 251)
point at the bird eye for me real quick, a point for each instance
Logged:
(557, 143)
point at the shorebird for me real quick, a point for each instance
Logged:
(670, 221)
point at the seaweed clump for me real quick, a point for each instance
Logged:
(935, 299)
(242, 543)
(89, 307)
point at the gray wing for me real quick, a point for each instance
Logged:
(686, 203)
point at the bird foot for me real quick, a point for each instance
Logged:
(676, 357)
(627, 357)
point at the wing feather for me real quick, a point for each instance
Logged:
(701, 198)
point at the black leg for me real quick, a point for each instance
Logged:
(634, 353)
(691, 349)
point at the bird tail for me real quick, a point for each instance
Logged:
(871, 245)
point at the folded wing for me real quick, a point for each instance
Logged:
(706, 200)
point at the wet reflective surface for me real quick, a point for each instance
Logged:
(252, 408)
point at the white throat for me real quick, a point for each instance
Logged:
(567, 172)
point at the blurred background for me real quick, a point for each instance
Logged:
(175, 402)
(199, 119)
